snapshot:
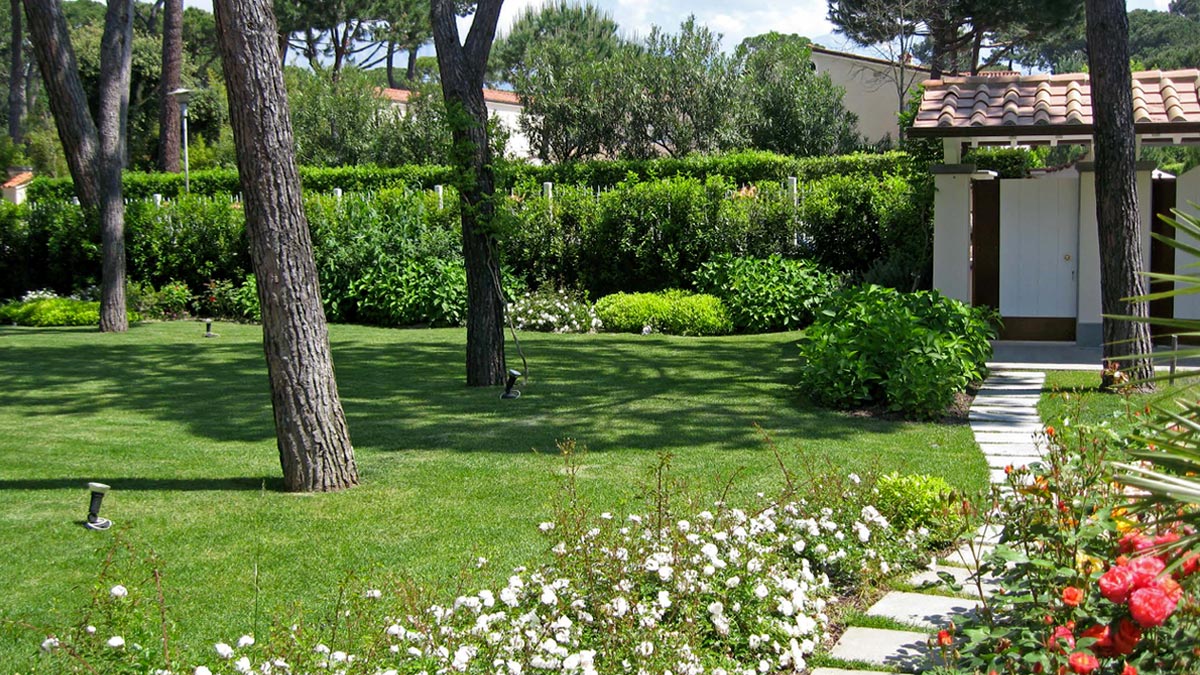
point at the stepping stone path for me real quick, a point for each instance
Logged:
(1005, 420)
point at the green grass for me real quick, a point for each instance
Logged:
(1077, 395)
(181, 427)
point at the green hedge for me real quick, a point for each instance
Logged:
(768, 294)
(673, 312)
(55, 312)
(140, 185)
(742, 168)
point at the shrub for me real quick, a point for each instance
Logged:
(55, 311)
(767, 295)
(173, 299)
(431, 291)
(911, 351)
(673, 312)
(916, 501)
(223, 299)
(553, 311)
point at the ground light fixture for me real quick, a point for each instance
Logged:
(94, 521)
(208, 329)
(509, 392)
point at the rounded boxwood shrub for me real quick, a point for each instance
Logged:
(909, 351)
(674, 312)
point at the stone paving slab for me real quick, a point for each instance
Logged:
(928, 578)
(1017, 418)
(962, 555)
(921, 609)
(902, 649)
(1010, 449)
(982, 437)
(993, 426)
(1002, 461)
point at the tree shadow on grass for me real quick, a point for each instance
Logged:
(404, 390)
(242, 484)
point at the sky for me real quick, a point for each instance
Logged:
(732, 19)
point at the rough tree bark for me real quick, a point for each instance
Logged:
(310, 426)
(172, 78)
(95, 152)
(16, 75)
(1116, 187)
(462, 67)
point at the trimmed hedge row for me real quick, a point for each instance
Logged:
(212, 182)
(741, 168)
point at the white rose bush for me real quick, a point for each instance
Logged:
(722, 591)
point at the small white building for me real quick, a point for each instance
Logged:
(1030, 247)
(872, 91)
(503, 105)
(15, 187)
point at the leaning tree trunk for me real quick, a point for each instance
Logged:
(95, 156)
(16, 75)
(462, 67)
(1116, 188)
(312, 437)
(172, 79)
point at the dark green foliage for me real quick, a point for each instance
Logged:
(673, 312)
(191, 240)
(910, 351)
(1006, 162)
(55, 312)
(767, 294)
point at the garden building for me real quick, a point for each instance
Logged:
(1028, 246)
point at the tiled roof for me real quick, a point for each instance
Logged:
(18, 180)
(489, 95)
(1163, 103)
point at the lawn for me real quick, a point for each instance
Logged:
(180, 426)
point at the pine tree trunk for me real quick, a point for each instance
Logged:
(1116, 186)
(95, 152)
(312, 437)
(16, 75)
(462, 67)
(172, 78)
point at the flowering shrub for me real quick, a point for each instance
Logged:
(1088, 587)
(553, 311)
(723, 591)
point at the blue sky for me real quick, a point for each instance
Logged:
(732, 19)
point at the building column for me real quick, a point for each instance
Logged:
(952, 230)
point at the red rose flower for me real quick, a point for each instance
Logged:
(1083, 662)
(1072, 596)
(1171, 588)
(1102, 636)
(1126, 636)
(1146, 570)
(1129, 670)
(1166, 538)
(1134, 542)
(944, 639)
(1150, 606)
(1116, 583)
(1062, 633)
(1191, 563)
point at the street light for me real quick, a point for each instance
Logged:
(182, 95)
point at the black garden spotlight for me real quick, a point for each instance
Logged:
(509, 392)
(94, 521)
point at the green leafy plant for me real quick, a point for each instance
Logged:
(767, 294)
(916, 501)
(673, 312)
(55, 311)
(910, 351)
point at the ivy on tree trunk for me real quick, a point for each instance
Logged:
(462, 67)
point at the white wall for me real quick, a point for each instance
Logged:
(1187, 189)
(952, 235)
(870, 91)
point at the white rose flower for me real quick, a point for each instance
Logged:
(223, 650)
(119, 591)
(116, 642)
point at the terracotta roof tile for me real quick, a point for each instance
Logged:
(19, 179)
(492, 95)
(995, 103)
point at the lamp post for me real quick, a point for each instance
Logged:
(182, 95)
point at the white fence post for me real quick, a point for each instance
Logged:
(793, 191)
(337, 194)
(548, 193)
(157, 199)
(441, 194)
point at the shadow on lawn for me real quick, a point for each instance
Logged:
(243, 484)
(403, 390)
